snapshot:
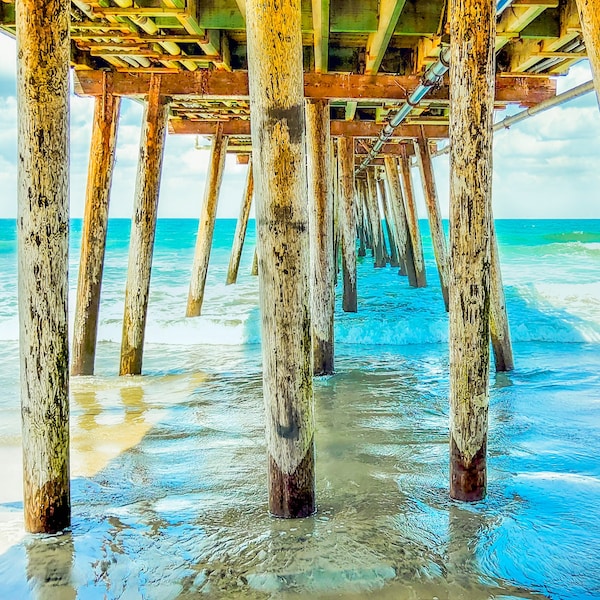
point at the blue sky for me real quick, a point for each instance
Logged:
(546, 167)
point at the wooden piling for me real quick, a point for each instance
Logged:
(320, 219)
(438, 238)
(347, 222)
(240, 228)
(499, 329)
(390, 225)
(275, 73)
(254, 269)
(589, 17)
(43, 229)
(143, 228)
(206, 225)
(93, 236)
(375, 218)
(399, 214)
(472, 35)
(412, 219)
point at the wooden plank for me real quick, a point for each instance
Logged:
(43, 246)
(420, 18)
(333, 86)
(275, 66)
(353, 16)
(389, 12)
(472, 34)
(320, 15)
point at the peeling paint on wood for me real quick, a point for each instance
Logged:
(589, 16)
(93, 237)
(143, 228)
(43, 229)
(275, 74)
(472, 28)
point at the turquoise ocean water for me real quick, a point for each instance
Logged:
(169, 495)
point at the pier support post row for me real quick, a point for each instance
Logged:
(320, 218)
(240, 228)
(143, 229)
(93, 236)
(275, 74)
(472, 34)
(43, 230)
(375, 218)
(412, 219)
(206, 225)
(438, 238)
(589, 16)
(347, 222)
(390, 226)
(399, 215)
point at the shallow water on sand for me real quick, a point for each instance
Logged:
(169, 494)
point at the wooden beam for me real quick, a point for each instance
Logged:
(320, 15)
(516, 18)
(206, 223)
(589, 15)
(43, 247)
(359, 129)
(377, 44)
(275, 69)
(320, 228)
(472, 33)
(222, 85)
(143, 229)
(93, 236)
(347, 219)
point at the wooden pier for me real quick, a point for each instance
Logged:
(336, 100)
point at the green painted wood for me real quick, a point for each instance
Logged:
(353, 16)
(420, 18)
(547, 25)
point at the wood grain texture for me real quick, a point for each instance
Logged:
(432, 203)
(375, 220)
(143, 228)
(206, 224)
(241, 227)
(279, 140)
(320, 219)
(93, 236)
(399, 215)
(472, 30)
(412, 219)
(390, 224)
(589, 16)
(499, 328)
(43, 230)
(347, 222)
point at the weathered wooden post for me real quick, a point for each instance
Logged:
(143, 228)
(360, 221)
(438, 238)
(254, 268)
(390, 225)
(399, 215)
(375, 217)
(275, 73)
(206, 225)
(499, 329)
(472, 35)
(589, 16)
(240, 228)
(43, 244)
(93, 236)
(412, 219)
(320, 219)
(347, 222)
